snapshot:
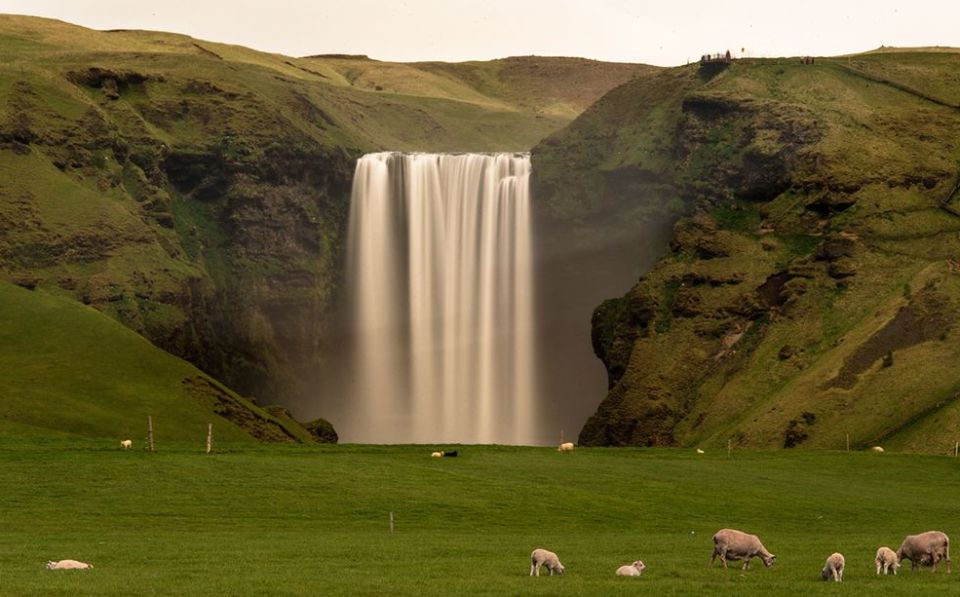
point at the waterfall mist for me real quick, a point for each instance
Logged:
(440, 281)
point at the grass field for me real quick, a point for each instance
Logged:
(298, 520)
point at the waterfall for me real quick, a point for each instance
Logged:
(440, 274)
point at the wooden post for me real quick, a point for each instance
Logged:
(956, 450)
(729, 448)
(209, 437)
(150, 433)
(848, 442)
(391, 522)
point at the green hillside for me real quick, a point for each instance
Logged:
(810, 291)
(198, 192)
(68, 370)
(315, 520)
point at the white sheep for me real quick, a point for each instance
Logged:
(925, 549)
(887, 560)
(437, 455)
(565, 447)
(634, 569)
(833, 568)
(699, 451)
(68, 565)
(126, 444)
(541, 557)
(731, 544)
(877, 449)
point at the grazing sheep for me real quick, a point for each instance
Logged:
(699, 451)
(925, 549)
(451, 454)
(731, 544)
(437, 455)
(877, 450)
(541, 557)
(634, 569)
(68, 565)
(833, 568)
(126, 444)
(887, 560)
(565, 447)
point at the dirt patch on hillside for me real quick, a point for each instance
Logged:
(925, 318)
(236, 411)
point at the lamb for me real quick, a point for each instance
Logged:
(541, 557)
(634, 569)
(731, 544)
(833, 568)
(68, 565)
(126, 444)
(925, 549)
(437, 455)
(565, 447)
(877, 449)
(887, 560)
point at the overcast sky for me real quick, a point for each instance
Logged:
(661, 32)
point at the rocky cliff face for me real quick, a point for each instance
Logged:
(813, 238)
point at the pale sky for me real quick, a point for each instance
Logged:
(661, 32)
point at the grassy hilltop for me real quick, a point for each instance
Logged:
(811, 289)
(198, 192)
(314, 520)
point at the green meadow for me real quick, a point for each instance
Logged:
(314, 520)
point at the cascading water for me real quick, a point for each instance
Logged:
(440, 273)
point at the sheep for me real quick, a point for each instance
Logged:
(68, 565)
(541, 557)
(699, 451)
(833, 568)
(925, 549)
(887, 560)
(437, 455)
(126, 444)
(565, 447)
(877, 449)
(634, 569)
(731, 544)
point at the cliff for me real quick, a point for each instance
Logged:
(810, 285)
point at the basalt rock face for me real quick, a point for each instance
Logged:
(808, 234)
(223, 250)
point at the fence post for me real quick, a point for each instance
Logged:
(209, 437)
(150, 433)
(391, 522)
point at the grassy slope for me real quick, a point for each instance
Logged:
(478, 106)
(315, 521)
(876, 132)
(71, 371)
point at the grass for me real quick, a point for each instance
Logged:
(70, 370)
(297, 521)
